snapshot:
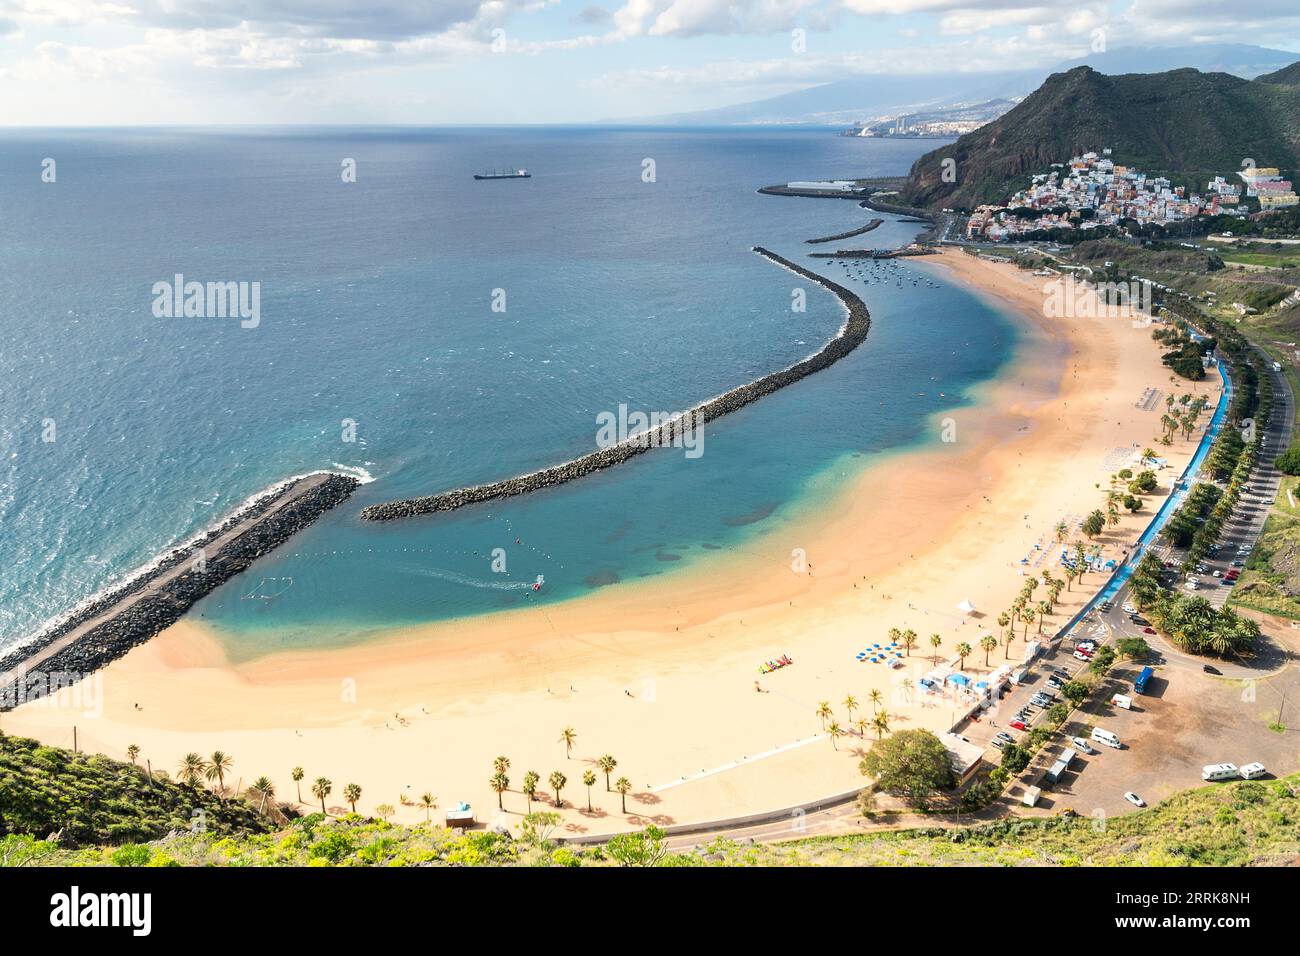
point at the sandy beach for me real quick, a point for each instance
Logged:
(664, 675)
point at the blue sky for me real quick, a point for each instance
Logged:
(88, 62)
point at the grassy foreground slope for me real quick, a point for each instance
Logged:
(1243, 824)
(90, 798)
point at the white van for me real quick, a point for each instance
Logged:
(1105, 737)
(1253, 770)
(1122, 700)
(1220, 771)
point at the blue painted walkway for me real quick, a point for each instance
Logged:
(1183, 486)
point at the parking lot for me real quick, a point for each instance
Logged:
(1187, 719)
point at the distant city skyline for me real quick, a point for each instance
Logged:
(92, 62)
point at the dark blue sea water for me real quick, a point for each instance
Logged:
(376, 308)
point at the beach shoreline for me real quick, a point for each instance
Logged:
(664, 674)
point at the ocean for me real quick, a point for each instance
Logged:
(423, 331)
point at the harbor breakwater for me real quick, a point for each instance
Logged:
(850, 336)
(847, 235)
(105, 628)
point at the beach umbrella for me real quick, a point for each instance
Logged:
(966, 606)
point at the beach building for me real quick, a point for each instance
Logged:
(966, 757)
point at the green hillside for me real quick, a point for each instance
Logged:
(89, 798)
(1240, 824)
(1185, 124)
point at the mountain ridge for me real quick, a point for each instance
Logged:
(1184, 123)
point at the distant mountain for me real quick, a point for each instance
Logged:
(1183, 122)
(866, 98)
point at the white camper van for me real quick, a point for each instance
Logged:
(1105, 737)
(1220, 771)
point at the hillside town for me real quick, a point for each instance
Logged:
(1092, 191)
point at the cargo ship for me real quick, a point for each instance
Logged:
(508, 174)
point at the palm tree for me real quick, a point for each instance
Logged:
(623, 785)
(836, 732)
(321, 789)
(850, 704)
(428, 803)
(989, 643)
(567, 736)
(352, 793)
(1044, 609)
(501, 765)
(935, 642)
(264, 790)
(908, 641)
(297, 778)
(216, 769)
(607, 764)
(132, 752)
(557, 781)
(1027, 615)
(1062, 532)
(384, 811)
(191, 769)
(588, 781)
(529, 787)
(499, 783)
(824, 711)
(881, 724)
(895, 634)
(963, 651)
(862, 723)
(876, 698)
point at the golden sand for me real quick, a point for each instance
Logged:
(662, 674)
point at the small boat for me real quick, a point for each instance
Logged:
(508, 174)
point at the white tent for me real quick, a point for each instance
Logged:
(966, 607)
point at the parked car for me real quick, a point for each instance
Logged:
(1082, 745)
(1081, 656)
(1018, 725)
(998, 742)
(1134, 799)
(1130, 609)
(1210, 670)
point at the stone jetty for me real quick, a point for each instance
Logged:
(847, 235)
(851, 335)
(104, 629)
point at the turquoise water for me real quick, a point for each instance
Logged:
(376, 308)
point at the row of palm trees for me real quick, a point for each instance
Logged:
(879, 721)
(500, 779)
(194, 770)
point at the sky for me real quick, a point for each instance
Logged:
(132, 62)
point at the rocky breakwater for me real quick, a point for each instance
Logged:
(105, 629)
(851, 335)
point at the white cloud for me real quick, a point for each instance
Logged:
(686, 18)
